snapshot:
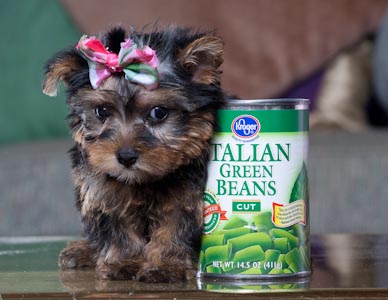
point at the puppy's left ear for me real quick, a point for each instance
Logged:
(202, 59)
(60, 68)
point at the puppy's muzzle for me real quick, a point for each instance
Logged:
(127, 157)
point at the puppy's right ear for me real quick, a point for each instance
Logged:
(61, 68)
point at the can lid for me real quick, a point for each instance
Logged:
(269, 102)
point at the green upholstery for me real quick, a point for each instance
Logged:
(31, 31)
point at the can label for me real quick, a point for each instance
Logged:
(256, 198)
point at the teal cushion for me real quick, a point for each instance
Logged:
(32, 31)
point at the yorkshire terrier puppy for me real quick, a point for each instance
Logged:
(142, 114)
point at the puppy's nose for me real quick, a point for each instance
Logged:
(127, 157)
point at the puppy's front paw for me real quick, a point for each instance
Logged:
(117, 271)
(76, 255)
(165, 274)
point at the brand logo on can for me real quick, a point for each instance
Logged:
(245, 127)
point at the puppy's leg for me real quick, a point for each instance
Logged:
(117, 270)
(116, 266)
(120, 259)
(76, 255)
(171, 254)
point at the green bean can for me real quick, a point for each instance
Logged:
(256, 202)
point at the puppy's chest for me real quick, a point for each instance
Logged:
(108, 197)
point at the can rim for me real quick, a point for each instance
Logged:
(273, 101)
(227, 278)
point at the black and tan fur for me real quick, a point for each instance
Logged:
(142, 219)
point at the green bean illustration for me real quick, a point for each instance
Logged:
(304, 255)
(213, 270)
(249, 254)
(212, 240)
(202, 260)
(287, 271)
(263, 221)
(275, 272)
(251, 271)
(218, 253)
(295, 261)
(231, 233)
(280, 244)
(250, 239)
(272, 255)
(235, 222)
(282, 260)
(280, 233)
(299, 190)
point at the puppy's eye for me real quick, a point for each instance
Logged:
(102, 112)
(158, 113)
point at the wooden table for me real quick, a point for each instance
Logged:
(344, 267)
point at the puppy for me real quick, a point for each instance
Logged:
(142, 114)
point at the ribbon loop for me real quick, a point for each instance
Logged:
(138, 65)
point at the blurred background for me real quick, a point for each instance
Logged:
(333, 52)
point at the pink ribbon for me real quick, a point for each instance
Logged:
(139, 65)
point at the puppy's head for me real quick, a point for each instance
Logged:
(137, 134)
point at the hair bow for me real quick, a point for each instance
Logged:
(139, 65)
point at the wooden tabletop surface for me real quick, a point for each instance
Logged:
(344, 267)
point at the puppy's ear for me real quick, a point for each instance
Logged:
(60, 68)
(202, 58)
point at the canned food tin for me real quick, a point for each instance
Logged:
(256, 202)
